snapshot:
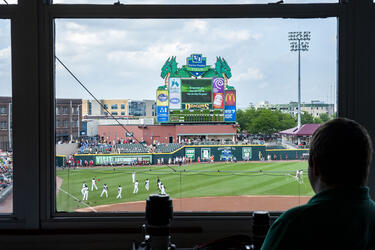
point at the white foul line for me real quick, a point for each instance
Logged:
(78, 200)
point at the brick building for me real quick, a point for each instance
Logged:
(68, 119)
(5, 123)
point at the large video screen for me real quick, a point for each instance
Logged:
(196, 91)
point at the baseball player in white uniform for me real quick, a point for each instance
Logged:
(105, 191)
(147, 184)
(85, 192)
(133, 176)
(299, 174)
(93, 184)
(162, 188)
(135, 187)
(158, 182)
(119, 191)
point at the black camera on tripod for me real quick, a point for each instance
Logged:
(159, 215)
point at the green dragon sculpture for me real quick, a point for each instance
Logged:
(170, 69)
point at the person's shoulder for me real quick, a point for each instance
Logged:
(292, 214)
(294, 217)
(284, 229)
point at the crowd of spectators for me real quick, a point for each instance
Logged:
(130, 145)
(6, 170)
(94, 146)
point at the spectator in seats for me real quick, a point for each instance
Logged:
(341, 215)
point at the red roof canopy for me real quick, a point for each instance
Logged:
(305, 130)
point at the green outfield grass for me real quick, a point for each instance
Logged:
(198, 180)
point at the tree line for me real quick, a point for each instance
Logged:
(267, 121)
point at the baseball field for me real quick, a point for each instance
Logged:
(217, 182)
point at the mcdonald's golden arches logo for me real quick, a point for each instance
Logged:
(230, 98)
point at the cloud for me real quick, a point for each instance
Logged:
(149, 57)
(263, 85)
(5, 53)
(196, 27)
(127, 55)
(249, 74)
(232, 35)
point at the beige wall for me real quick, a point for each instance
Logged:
(109, 103)
(85, 107)
(315, 111)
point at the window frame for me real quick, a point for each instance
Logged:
(33, 21)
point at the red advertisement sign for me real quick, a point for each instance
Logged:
(218, 102)
(230, 98)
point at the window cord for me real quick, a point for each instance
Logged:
(71, 73)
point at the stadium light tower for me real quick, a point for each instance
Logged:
(299, 41)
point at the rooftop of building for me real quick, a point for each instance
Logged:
(305, 130)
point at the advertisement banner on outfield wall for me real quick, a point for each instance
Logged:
(205, 153)
(246, 153)
(230, 98)
(162, 97)
(162, 114)
(226, 154)
(190, 153)
(174, 93)
(230, 114)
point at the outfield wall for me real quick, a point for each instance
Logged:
(60, 161)
(287, 154)
(200, 153)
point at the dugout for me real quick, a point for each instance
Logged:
(60, 161)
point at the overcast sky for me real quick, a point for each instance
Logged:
(122, 59)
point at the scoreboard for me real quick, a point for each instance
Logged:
(198, 91)
(189, 100)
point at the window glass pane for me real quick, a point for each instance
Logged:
(190, 2)
(6, 155)
(232, 99)
(8, 2)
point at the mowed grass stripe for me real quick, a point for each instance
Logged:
(303, 189)
(231, 179)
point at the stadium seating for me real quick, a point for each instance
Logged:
(119, 148)
(132, 148)
(167, 147)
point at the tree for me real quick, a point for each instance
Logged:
(286, 121)
(317, 120)
(324, 117)
(306, 118)
(264, 121)
(245, 118)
